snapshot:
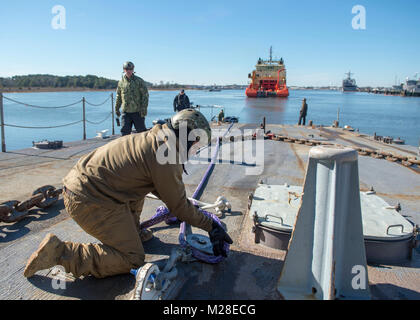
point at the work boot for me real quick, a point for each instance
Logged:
(146, 235)
(47, 255)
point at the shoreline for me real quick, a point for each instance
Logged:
(48, 89)
(78, 89)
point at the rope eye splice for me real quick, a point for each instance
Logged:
(155, 284)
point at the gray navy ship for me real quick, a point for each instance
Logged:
(349, 84)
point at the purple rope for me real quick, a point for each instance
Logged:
(171, 220)
(163, 214)
(182, 229)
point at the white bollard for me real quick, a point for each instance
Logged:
(326, 258)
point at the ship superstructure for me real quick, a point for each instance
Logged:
(412, 86)
(349, 84)
(268, 79)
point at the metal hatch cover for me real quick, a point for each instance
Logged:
(276, 206)
(381, 221)
(388, 235)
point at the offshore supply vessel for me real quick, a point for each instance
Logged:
(268, 79)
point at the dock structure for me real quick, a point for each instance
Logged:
(252, 270)
(391, 92)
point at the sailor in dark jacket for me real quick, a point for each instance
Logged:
(303, 112)
(220, 117)
(181, 101)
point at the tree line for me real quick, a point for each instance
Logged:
(89, 81)
(50, 81)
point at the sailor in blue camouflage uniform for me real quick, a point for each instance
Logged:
(133, 99)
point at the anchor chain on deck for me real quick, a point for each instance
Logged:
(43, 198)
(377, 154)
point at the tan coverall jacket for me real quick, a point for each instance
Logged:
(108, 187)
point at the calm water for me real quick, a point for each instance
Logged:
(385, 115)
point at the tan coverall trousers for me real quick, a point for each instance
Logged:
(118, 229)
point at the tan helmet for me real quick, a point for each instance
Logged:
(194, 119)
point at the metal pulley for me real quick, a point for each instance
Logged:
(146, 283)
(153, 283)
(200, 242)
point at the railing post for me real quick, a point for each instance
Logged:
(3, 140)
(264, 124)
(112, 112)
(84, 118)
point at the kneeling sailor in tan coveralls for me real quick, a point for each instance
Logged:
(104, 193)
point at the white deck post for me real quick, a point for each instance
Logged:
(326, 257)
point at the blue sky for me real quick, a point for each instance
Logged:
(213, 42)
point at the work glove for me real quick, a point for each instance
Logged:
(218, 237)
(118, 113)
